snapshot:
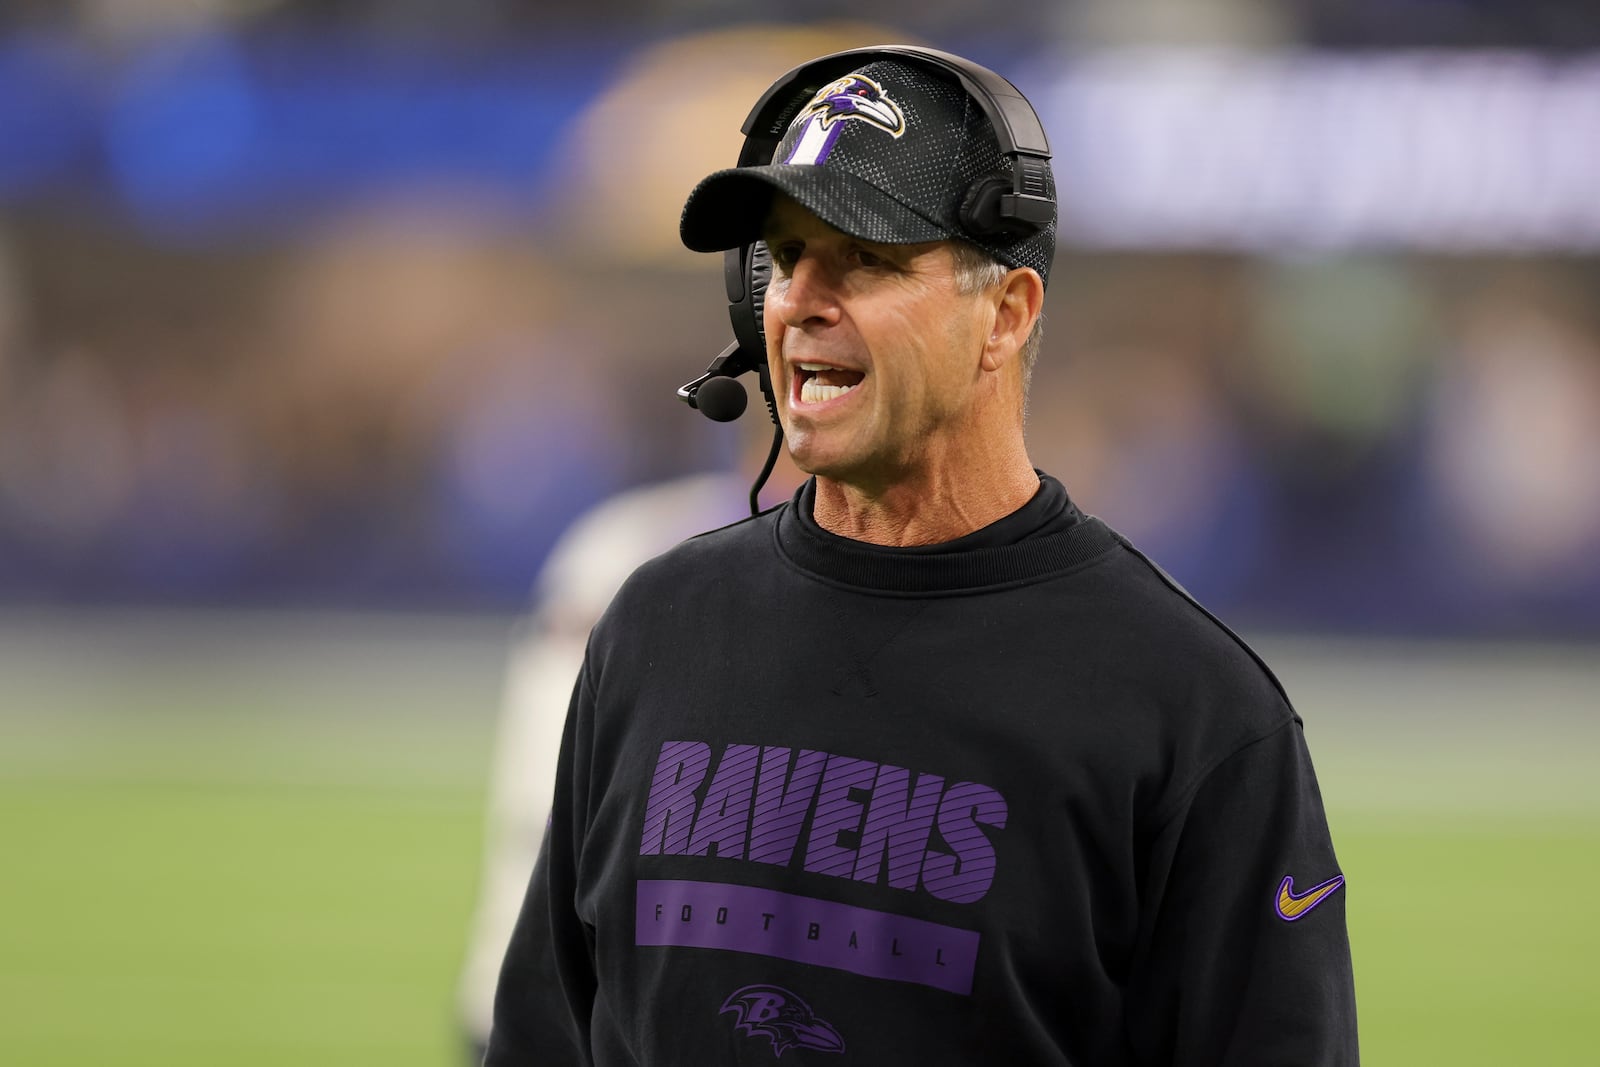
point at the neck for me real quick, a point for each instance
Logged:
(927, 507)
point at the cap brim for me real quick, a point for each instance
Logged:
(729, 208)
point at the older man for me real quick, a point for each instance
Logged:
(925, 766)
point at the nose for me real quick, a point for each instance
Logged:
(807, 297)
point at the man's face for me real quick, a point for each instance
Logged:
(874, 350)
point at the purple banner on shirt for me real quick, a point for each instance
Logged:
(823, 933)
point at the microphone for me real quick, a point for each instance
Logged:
(721, 399)
(715, 392)
(718, 395)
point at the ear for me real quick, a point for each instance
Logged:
(1019, 300)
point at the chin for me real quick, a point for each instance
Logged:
(813, 463)
(833, 468)
(828, 454)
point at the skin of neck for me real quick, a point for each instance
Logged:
(927, 508)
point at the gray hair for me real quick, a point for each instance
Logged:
(976, 271)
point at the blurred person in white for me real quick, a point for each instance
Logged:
(770, 719)
(584, 570)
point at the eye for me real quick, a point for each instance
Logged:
(867, 258)
(784, 255)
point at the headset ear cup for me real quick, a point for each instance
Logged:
(760, 276)
(749, 270)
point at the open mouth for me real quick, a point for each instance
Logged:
(820, 383)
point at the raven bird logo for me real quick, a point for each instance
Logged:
(855, 97)
(777, 1014)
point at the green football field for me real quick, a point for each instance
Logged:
(256, 841)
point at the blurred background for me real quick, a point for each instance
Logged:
(320, 320)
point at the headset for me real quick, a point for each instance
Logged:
(1006, 206)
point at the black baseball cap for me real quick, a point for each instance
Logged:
(886, 153)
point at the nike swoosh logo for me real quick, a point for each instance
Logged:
(1291, 907)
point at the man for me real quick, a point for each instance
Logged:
(924, 766)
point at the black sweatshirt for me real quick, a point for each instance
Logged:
(1009, 800)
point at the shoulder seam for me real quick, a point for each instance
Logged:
(1172, 583)
(1188, 792)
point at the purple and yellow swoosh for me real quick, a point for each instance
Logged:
(1292, 907)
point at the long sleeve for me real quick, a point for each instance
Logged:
(1246, 959)
(545, 997)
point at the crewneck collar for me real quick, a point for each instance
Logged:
(1046, 535)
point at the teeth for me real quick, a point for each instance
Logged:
(813, 366)
(814, 392)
